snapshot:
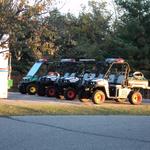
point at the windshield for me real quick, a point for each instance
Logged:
(34, 69)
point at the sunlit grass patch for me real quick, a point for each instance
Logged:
(32, 108)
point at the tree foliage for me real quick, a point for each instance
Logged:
(36, 31)
(21, 21)
(83, 36)
(133, 33)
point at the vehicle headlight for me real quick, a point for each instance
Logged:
(26, 80)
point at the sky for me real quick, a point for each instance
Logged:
(74, 6)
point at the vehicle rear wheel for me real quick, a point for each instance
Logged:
(41, 90)
(70, 94)
(51, 91)
(83, 96)
(135, 98)
(22, 90)
(31, 89)
(98, 97)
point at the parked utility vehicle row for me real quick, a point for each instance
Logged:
(85, 79)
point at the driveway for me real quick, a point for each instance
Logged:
(13, 96)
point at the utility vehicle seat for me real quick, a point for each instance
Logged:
(111, 79)
(85, 76)
(100, 76)
(91, 75)
(72, 75)
(120, 79)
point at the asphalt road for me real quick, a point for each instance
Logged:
(75, 133)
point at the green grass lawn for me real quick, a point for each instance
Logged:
(19, 108)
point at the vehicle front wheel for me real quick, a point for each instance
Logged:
(135, 98)
(98, 97)
(70, 94)
(31, 89)
(51, 91)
